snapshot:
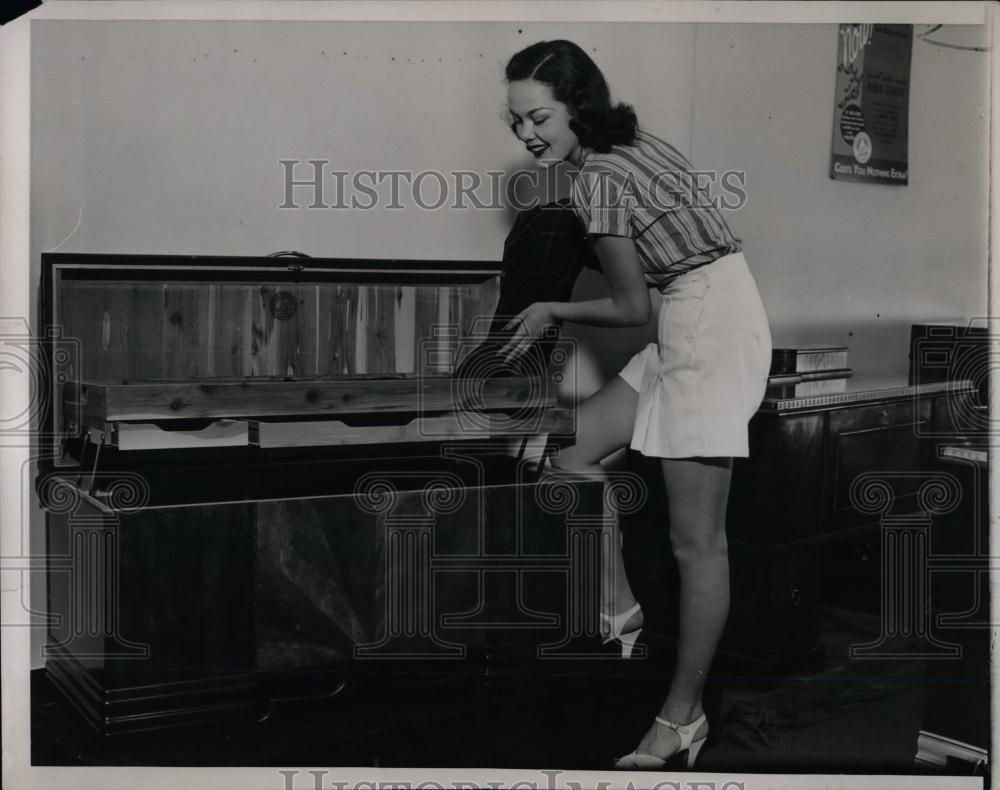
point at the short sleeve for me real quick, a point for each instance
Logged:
(604, 200)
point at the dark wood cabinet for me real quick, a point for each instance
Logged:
(955, 727)
(231, 499)
(807, 509)
(181, 614)
(807, 453)
(153, 627)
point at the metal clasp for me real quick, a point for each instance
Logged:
(294, 266)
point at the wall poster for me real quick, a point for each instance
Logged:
(872, 103)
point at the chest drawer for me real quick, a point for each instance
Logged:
(875, 438)
(880, 415)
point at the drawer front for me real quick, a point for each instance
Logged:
(775, 493)
(960, 414)
(879, 415)
(775, 601)
(852, 572)
(454, 426)
(133, 436)
(880, 438)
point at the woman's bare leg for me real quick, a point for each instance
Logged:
(604, 424)
(697, 490)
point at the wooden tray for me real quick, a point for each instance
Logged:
(100, 402)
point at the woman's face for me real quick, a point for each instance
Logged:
(542, 123)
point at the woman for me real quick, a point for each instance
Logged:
(685, 399)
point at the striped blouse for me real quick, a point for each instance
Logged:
(646, 191)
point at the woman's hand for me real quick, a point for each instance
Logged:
(628, 305)
(528, 325)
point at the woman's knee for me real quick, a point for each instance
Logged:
(698, 492)
(604, 423)
(691, 547)
(576, 459)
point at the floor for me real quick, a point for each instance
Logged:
(851, 717)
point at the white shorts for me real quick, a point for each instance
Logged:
(704, 379)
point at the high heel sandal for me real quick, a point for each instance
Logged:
(648, 762)
(611, 625)
(611, 630)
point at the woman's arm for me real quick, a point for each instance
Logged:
(628, 305)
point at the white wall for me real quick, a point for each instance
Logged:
(164, 137)
(841, 262)
(169, 133)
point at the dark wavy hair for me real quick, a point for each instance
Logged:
(576, 81)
